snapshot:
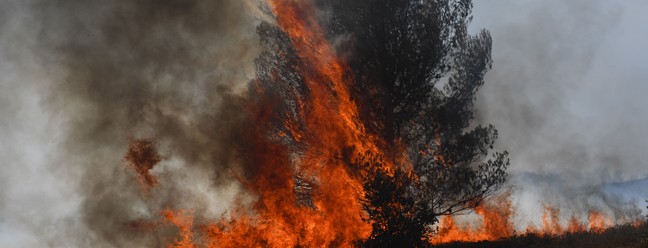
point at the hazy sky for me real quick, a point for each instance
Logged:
(567, 92)
(568, 84)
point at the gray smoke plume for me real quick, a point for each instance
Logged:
(564, 92)
(82, 79)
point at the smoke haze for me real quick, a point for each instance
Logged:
(80, 79)
(564, 93)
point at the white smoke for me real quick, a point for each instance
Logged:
(567, 94)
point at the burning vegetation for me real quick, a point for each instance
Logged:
(496, 222)
(357, 131)
(366, 142)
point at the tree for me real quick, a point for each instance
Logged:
(424, 71)
(415, 74)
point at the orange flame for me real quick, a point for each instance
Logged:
(277, 219)
(184, 221)
(334, 216)
(496, 223)
(598, 221)
(551, 221)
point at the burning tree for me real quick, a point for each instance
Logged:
(358, 129)
(404, 75)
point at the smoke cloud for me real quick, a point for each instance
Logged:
(563, 93)
(83, 79)
(80, 80)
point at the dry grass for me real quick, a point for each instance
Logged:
(617, 236)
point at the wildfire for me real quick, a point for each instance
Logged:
(495, 223)
(312, 197)
(277, 218)
(496, 217)
(336, 217)
(184, 222)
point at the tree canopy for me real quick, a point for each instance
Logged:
(415, 73)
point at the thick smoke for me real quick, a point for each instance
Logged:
(79, 80)
(35, 202)
(564, 99)
(109, 73)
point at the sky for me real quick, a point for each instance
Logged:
(566, 92)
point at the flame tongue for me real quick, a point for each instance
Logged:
(497, 223)
(332, 118)
(331, 128)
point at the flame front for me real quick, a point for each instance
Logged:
(496, 217)
(496, 223)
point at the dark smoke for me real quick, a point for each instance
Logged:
(159, 70)
(142, 156)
